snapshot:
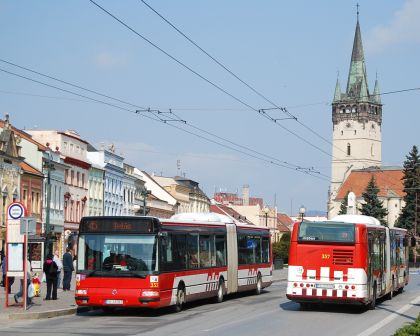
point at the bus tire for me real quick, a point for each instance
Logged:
(372, 303)
(180, 299)
(259, 288)
(220, 291)
(390, 295)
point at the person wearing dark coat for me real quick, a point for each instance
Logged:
(68, 269)
(50, 269)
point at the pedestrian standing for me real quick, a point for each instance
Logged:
(50, 269)
(28, 282)
(68, 269)
(11, 280)
(59, 264)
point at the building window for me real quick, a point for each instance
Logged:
(83, 180)
(78, 179)
(71, 177)
(348, 149)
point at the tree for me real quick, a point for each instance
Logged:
(411, 180)
(344, 204)
(373, 206)
(281, 248)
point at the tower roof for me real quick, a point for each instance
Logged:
(357, 86)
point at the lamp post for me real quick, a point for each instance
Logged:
(266, 210)
(145, 193)
(48, 166)
(302, 211)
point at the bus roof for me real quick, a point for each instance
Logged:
(357, 219)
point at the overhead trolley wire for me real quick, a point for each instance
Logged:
(283, 109)
(283, 164)
(206, 79)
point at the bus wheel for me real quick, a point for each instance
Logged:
(258, 290)
(180, 299)
(391, 293)
(220, 291)
(372, 304)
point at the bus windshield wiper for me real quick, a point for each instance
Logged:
(137, 275)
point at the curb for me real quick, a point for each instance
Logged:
(43, 315)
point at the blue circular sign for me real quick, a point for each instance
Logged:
(16, 211)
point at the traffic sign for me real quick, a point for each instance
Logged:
(15, 210)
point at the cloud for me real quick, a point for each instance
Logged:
(403, 28)
(108, 61)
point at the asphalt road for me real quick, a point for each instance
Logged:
(270, 313)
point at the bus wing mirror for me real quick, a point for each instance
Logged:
(164, 237)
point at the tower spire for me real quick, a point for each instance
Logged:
(337, 93)
(357, 87)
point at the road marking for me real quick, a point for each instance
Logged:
(387, 320)
(241, 320)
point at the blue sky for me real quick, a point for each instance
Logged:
(290, 52)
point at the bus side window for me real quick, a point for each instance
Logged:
(220, 251)
(192, 248)
(205, 251)
(265, 249)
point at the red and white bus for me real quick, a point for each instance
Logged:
(148, 262)
(351, 259)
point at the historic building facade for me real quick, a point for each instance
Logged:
(113, 165)
(357, 122)
(10, 172)
(73, 151)
(96, 190)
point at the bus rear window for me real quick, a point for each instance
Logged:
(326, 232)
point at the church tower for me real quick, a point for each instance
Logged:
(357, 121)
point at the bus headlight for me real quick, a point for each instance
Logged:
(149, 293)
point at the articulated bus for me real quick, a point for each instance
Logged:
(129, 261)
(350, 259)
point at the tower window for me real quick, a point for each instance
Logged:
(354, 132)
(372, 153)
(348, 149)
(341, 132)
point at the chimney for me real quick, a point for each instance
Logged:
(245, 194)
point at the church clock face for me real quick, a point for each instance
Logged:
(348, 125)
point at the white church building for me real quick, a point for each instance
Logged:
(357, 141)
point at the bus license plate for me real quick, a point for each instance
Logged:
(114, 302)
(325, 286)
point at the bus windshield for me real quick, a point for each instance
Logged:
(326, 232)
(108, 255)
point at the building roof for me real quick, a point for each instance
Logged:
(388, 180)
(27, 168)
(284, 219)
(227, 211)
(25, 136)
(226, 198)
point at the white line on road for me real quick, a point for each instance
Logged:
(387, 320)
(241, 320)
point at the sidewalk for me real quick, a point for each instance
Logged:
(64, 305)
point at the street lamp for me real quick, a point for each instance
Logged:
(145, 193)
(48, 165)
(302, 211)
(266, 210)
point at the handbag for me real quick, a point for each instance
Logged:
(31, 290)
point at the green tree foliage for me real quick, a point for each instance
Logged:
(412, 329)
(411, 180)
(344, 204)
(281, 248)
(373, 206)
